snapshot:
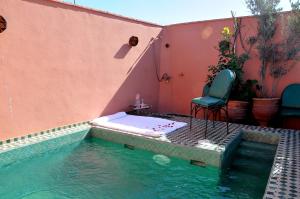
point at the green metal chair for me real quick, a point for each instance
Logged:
(290, 101)
(215, 98)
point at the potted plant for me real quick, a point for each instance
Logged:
(276, 57)
(240, 101)
(242, 92)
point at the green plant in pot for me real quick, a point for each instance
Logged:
(277, 57)
(243, 91)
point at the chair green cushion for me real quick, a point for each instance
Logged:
(208, 101)
(222, 84)
(285, 111)
(291, 96)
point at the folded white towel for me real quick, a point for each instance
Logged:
(149, 126)
(109, 117)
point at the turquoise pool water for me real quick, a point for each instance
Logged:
(95, 169)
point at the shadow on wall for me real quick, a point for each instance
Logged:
(122, 52)
(141, 79)
(141, 75)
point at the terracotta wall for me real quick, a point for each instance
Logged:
(62, 64)
(192, 49)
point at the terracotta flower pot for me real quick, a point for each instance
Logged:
(264, 109)
(237, 110)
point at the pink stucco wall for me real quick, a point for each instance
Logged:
(192, 49)
(62, 64)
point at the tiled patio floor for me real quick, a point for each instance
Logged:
(217, 135)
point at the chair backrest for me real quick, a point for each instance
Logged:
(205, 90)
(222, 84)
(291, 96)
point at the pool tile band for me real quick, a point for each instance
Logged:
(20, 149)
(43, 132)
(161, 146)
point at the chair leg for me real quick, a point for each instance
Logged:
(226, 113)
(214, 118)
(206, 120)
(191, 116)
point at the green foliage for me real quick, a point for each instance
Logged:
(276, 57)
(292, 31)
(263, 7)
(229, 59)
(245, 91)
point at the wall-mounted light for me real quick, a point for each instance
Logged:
(165, 78)
(133, 41)
(3, 24)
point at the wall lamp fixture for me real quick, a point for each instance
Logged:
(133, 41)
(165, 78)
(3, 24)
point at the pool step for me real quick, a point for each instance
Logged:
(253, 158)
(247, 153)
(250, 166)
(256, 146)
(238, 177)
(239, 181)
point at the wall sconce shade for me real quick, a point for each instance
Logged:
(133, 41)
(3, 24)
(165, 78)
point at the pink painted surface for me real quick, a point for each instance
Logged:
(192, 50)
(62, 64)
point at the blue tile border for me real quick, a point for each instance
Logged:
(37, 143)
(208, 156)
(29, 135)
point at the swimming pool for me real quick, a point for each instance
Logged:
(94, 168)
